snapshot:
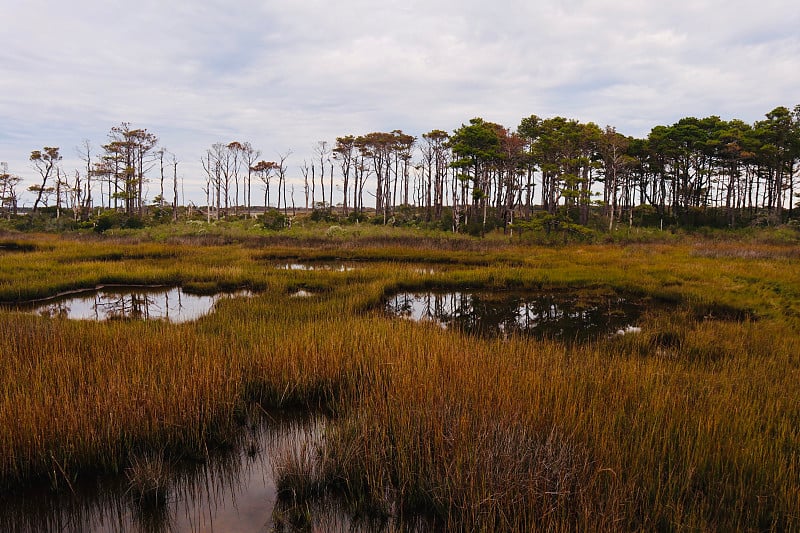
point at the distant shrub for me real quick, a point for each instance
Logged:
(133, 222)
(161, 215)
(274, 220)
(546, 228)
(785, 234)
(334, 231)
(323, 214)
(46, 220)
(113, 219)
(355, 216)
(105, 221)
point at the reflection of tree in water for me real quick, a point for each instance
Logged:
(112, 306)
(132, 306)
(123, 303)
(566, 317)
(54, 310)
(137, 305)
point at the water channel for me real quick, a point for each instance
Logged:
(231, 490)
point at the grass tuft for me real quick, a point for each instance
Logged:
(148, 480)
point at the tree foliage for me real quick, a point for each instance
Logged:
(480, 176)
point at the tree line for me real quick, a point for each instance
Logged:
(551, 171)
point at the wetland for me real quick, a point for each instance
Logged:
(607, 387)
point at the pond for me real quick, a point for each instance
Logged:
(567, 316)
(233, 490)
(171, 304)
(332, 267)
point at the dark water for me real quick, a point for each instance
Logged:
(228, 492)
(128, 303)
(565, 316)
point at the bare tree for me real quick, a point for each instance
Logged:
(304, 170)
(344, 152)
(236, 149)
(160, 154)
(61, 189)
(280, 168)
(174, 188)
(250, 155)
(217, 165)
(8, 192)
(85, 153)
(323, 152)
(211, 168)
(75, 192)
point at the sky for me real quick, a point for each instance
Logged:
(285, 75)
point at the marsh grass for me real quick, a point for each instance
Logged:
(691, 423)
(149, 480)
(525, 436)
(13, 245)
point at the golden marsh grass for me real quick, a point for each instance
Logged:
(692, 424)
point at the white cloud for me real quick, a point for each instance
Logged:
(284, 75)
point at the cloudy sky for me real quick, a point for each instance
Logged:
(284, 75)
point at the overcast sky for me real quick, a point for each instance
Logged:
(284, 75)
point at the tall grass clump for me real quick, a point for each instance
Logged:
(450, 432)
(148, 479)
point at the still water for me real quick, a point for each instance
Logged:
(332, 267)
(565, 316)
(226, 492)
(128, 303)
